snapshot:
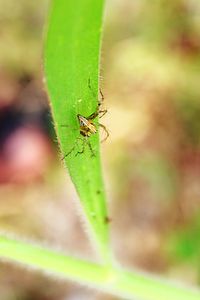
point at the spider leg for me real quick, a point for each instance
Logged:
(86, 141)
(64, 125)
(98, 112)
(90, 147)
(106, 131)
(72, 149)
(103, 112)
(68, 153)
(102, 96)
(93, 115)
(100, 91)
(68, 126)
(90, 87)
(83, 146)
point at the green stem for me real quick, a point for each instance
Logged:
(106, 279)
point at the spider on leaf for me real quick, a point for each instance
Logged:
(88, 128)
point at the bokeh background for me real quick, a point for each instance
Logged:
(150, 77)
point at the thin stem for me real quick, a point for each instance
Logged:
(105, 278)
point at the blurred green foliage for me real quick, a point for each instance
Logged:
(184, 244)
(21, 35)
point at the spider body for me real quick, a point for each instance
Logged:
(87, 127)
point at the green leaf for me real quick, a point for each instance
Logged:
(71, 60)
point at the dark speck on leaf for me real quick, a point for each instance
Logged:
(107, 219)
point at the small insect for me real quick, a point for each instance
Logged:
(88, 128)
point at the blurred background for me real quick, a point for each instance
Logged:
(150, 77)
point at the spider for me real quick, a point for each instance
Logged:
(88, 128)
